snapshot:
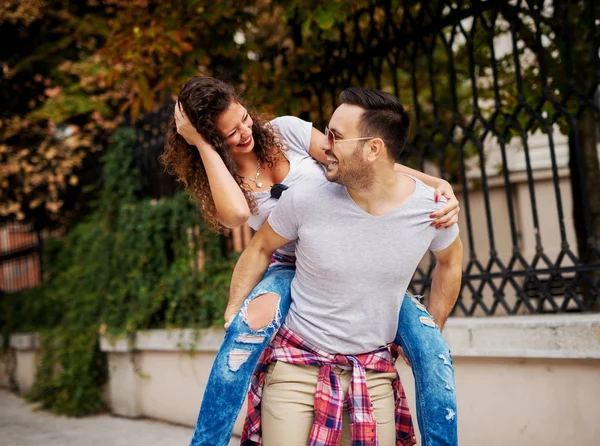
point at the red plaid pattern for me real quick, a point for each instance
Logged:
(327, 428)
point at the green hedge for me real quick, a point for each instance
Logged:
(130, 265)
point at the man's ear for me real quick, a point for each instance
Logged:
(377, 149)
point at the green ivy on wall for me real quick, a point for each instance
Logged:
(132, 265)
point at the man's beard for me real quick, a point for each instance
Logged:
(352, 172)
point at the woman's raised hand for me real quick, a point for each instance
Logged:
(185, 127)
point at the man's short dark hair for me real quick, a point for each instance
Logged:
(384, 117)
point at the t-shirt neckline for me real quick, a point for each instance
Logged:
(393, 211)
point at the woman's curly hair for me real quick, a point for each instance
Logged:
(203, 100)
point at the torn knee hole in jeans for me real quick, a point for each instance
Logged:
(260, 318)
(450, 414)
(237, 358)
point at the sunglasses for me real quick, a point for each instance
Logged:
(277, 190)
(332, 140)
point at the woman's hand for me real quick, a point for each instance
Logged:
(185, 127)
(448, 215)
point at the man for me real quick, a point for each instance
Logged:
(360, 237)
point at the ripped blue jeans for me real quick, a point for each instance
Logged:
(234, 364)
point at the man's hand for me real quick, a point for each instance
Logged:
(230, 313)
(403, 356)
(228, 319)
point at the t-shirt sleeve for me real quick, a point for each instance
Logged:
(444, 238)
(283, 217)
(295, 132)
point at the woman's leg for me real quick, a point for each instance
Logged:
(432, 369)
(245, 340)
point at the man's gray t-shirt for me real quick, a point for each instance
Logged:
(353, 268)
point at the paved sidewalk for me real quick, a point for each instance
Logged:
(22, 425)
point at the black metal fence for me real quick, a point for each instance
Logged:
(151, 130)
(504, 96)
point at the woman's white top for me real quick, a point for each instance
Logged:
(295, 135)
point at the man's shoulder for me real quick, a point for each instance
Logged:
(315, 189)
(425, 195)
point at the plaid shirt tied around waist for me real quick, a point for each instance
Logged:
(327, 428)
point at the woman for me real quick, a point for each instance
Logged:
(236, 166)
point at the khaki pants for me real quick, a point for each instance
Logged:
(288, 404)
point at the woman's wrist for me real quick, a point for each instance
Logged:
(200, 143)
(203, 146)
(442, 182)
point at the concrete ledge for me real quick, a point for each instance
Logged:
(24, 341)
(570, 336)
(109, 344)
(175, 340)
(206, 340)
(566, 336)
(26, 356)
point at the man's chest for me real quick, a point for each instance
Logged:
(341, 246)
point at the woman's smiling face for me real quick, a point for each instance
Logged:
(235, 124)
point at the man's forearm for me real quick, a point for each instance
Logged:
(248, 271)
(445, 288)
